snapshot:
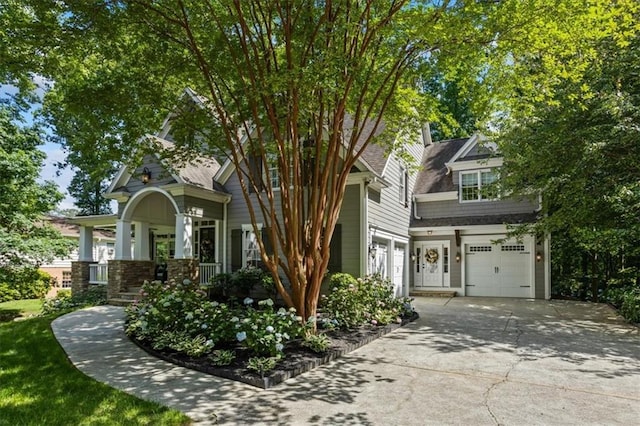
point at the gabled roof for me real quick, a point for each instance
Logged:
(198, 172)
(434, 175)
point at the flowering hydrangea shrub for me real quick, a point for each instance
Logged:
(353, 302)
(179, 316)
(264, 330)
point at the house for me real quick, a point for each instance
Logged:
(459, 227)
(191, 221)
(101, 248)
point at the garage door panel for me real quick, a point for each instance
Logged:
(498, 270)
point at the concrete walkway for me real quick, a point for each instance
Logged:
(465, 361)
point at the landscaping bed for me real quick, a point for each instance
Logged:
(297, 359)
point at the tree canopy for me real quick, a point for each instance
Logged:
(581, 151)
(296, 82)
(25, 237)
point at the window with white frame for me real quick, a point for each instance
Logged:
(250, 247)
(273, 172)
(476, 185)
(403, 186)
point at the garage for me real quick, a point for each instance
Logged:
(499, 270)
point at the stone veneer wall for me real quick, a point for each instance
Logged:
(128, 273)
(79, 276)
(179, 269)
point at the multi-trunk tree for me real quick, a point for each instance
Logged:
(304, 86)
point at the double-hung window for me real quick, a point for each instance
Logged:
(476, 185)
(250, 247)
(403, 186)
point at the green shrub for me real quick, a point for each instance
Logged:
(177, 316)
(222, 357)
(351, 303)
(265, 331)
(64, 300)
(8, 293)
(262, 365)
(319, 343)
(630, 308)
(245, 279)
(23, 283)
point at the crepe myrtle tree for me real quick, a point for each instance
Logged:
(299, 87)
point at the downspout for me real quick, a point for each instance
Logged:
(547, 267)
(364, 228)
(224, 234)
(415, 207)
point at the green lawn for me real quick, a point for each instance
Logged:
(39, 386)
(19, 308)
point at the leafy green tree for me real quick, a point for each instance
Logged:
(280, 80)
(580, 150)
(25, 238)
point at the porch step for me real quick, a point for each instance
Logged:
(119, 302)
(432, 293)
(128, 295)
(133, 289)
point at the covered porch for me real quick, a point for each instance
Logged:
(160, 235)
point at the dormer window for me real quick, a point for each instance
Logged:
(474, 186)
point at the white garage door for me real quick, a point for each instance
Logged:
(398, 270)
(498, 270)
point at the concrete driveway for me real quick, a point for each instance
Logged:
(465, 361)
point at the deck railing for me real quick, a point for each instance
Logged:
(98, 273)
(208, 271)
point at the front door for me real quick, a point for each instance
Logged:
(431, 268)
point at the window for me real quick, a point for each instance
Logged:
(250, 247)
(273, 172)
(66, 279)
(403, 186)
(476, 186)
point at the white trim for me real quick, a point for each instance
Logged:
(135, 200)
(95, 220)
(475, 164)
(364, 229)
(464, 230)
(547, 266)
(468, 145)
(120, 196)
(120, 175)
(436, 196)
(178, 189)
(376, 233)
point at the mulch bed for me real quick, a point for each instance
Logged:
(297, 359)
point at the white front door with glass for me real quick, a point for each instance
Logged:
(431, 266)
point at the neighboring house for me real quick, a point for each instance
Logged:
(102, 250)
(191, 221)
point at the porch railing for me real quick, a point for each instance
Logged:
(208, 271)
(98, 273)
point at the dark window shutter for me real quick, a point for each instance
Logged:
(255, 168)
(268, 248)
(335, 261)
(236, 249)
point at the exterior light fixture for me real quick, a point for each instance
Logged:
(413, 257)
(458, 257)
(372, 251)
(146, 175)
(538, 256)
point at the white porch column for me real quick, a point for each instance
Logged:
(141, 247)
(184, 233)
(123, 240)
(85, 246)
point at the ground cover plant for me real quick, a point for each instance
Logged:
(41, 387)
(19, 309)
(255, 340)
